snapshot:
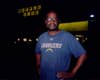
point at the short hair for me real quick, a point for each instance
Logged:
(52, 11)
(55, 12)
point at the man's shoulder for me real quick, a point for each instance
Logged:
(43, 35)
(66, 33)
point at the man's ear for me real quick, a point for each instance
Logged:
(45, 21)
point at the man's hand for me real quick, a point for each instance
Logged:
(64, 75)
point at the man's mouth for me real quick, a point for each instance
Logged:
(52, 25)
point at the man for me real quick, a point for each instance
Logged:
(54, 50)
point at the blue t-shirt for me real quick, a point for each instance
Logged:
(56, 51)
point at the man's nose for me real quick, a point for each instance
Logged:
(52, 21)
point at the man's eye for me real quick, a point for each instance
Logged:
(49, 19)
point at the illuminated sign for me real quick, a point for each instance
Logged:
(30, 11)
(74, 26)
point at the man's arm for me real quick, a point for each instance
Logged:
(79, 63)
(38, 56)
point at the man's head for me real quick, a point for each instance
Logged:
(52, 21)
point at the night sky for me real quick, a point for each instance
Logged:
(71, 10)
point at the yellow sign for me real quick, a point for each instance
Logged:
(74, 26)
(30, 11)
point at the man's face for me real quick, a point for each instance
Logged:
(52, 21)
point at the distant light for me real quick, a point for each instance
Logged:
(24, 39)
(30, 40)
(36, 39)
(83, 40)
(86, 38)
(15, 42)
(77, 38)
(92, 15)
(18, 39)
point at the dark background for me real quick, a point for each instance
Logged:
(17, 61)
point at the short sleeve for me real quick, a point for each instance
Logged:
(75, 47)
(38, 46)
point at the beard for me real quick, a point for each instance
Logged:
(53, 27)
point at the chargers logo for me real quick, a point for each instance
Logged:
(49, 50)
(51, 45)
